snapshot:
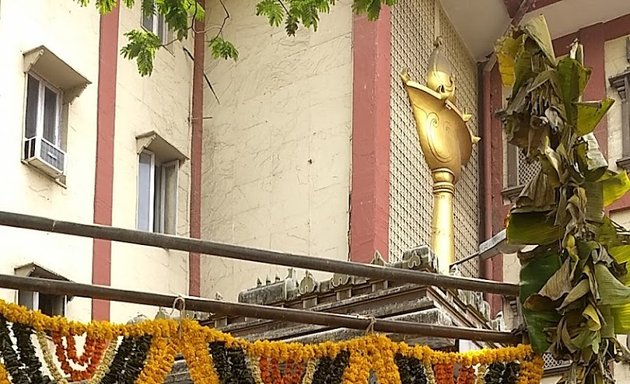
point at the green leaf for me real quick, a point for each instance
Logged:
(148, 8)
(559, 283)
(141, 46)
(222, 48)
(537, 323)
(370, 7)
(531, 228)
(608, 325)
(272, 9)
(621, 253)
(105, 6)
(589, 115)
(611, 290)
(587, 339)
(615, 185)
(607, 234)
(621, 315)
(543, 262)
(195, 10)
(590, 159)
(572, 77)
(594, 201)
(508, 49)
(538, 30)
(577, 292)
(592, 318)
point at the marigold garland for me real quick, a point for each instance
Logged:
(466, 375)
(4, 378)
(106, 363)
(311, 366)
(150, 347)
(48, 358)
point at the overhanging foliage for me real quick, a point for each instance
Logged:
(574, 283)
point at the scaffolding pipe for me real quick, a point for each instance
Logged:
(211, 248)
(59, 287)
(230, 251)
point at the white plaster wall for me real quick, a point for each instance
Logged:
(615, 63)
(158, 103)
(277, 149)
(71, 32)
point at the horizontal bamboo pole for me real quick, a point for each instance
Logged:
(230, 251)
(59, 287)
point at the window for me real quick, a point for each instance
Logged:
(51, 305)
(621, 83)
(50, 87)
(157, 193)
(156, 24)
(43, 110)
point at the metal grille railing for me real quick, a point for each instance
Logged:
(551, 363)
(525, 171)
(411, 202)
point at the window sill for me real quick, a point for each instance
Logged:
(624, 163)
(512, 193)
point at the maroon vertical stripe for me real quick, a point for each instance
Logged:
(103, 189)
(194, 262)
(369, 203)
(593, 39)
(494, 267)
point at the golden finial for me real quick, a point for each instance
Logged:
(440, 73)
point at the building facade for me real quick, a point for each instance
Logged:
(311, 147)
(88, 140)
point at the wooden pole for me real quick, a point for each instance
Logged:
(59, 287)
(256, 255)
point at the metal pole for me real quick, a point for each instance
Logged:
(255, 255)
(59, 287)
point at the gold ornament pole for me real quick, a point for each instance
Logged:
(446, 142)
(442, 225)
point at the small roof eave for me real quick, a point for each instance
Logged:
(154, 142)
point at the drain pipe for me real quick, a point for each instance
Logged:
(194, 258)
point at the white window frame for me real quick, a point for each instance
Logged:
(39, 125)
(34, 297)
(157, 216)
(155, 26)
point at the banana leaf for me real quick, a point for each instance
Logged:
(526, 228)
(508, 49)
(589, 114)
(611, 290)
(590, 159)
(620, 253)
(537, 29)
(543, 263)
(573, 77)
(615, 185)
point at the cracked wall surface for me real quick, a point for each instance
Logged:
(277, 149)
